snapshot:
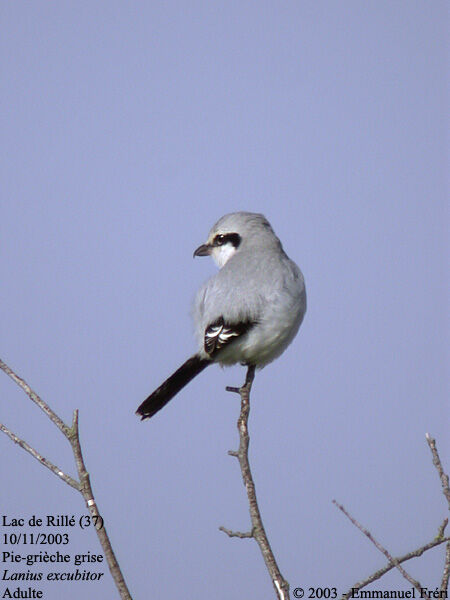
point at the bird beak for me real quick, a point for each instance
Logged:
(203, 250)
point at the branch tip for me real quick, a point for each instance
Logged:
(235, 390)
(238, 534)
(441, 530)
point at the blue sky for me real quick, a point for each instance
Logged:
(128, 130)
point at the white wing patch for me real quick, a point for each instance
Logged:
(219, 334)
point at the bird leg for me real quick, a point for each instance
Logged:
(250, 376)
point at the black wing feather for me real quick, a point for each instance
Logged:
(220, 334)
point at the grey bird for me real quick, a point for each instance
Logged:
(249, 312)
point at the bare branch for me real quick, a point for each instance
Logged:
(446, 491)
(446, 573)
(86, 490)
(83, 485)
(437, 463)
(35, 398)
(391, 559)
(238, 534)
(258, 532)
(44, 461)
(438, 540)
(441, 529)
(401, 559)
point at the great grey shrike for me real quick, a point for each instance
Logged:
(249, 312)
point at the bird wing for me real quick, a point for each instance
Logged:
(220, 333)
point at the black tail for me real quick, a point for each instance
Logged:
(167, 390)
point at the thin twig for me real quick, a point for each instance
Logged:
(258, 532)
(86, 490)
(446, 491)
(391, 559)
(401, 559)
(446, 573)
(438, 540)
(441, 529)
(437, 463)
(35, 398)
(238, 534)
(44, 461)
(83, 485)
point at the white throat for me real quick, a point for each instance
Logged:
(222, 254)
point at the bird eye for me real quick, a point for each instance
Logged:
(227, 238)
